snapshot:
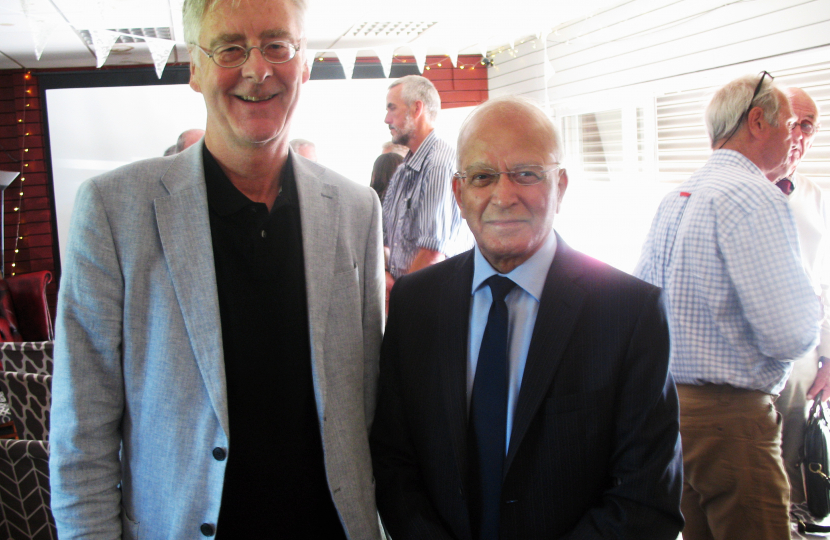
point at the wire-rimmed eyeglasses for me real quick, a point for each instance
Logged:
(231, 56)
(524, 176)
(748, 107)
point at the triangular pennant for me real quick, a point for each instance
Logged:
(310, 55)
(102, 42)
(43, 19)
(160, 51)
(347, 58)
(385, 55)
(420, 53)
(453, 54)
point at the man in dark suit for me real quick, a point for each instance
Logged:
(573, 416)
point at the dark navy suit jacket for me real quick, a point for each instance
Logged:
(595, 448)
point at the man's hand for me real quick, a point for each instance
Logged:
(822, 382)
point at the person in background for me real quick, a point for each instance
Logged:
(811, 372)
(305, 148)
(384, 167)
(421, 223)
(389, 146)
(524, 391)
(724, 248)
(186, 139)
(220, 318)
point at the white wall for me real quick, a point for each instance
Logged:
(639, 54)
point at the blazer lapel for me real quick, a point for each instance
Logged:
(320, 221)
(184, 228)
(453, 330)
(559, 309)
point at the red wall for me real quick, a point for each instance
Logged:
(28, 218)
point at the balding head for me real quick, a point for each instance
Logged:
(510, 184)
(511, 110)
(807, 124)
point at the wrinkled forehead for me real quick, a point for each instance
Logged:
(512, 134)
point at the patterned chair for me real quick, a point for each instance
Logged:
(27, 356)
(30, 400)
(24, 491)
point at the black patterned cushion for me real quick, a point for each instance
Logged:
(24, 491)
(30, 398)
(27, 356)
(7, 429)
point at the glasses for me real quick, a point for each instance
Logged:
(525, 176)
(748, 107)
(807, 127)
(231, 56)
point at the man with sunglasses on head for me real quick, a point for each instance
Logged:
(524, 387)
(811, 372)
(220, 318)
(724, 247)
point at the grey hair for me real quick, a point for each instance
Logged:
(194, 11)
(417, 88)
(513, 105)
(725, 111)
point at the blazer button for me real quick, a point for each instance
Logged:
(219, 454)
(207, 529)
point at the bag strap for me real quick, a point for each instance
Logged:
(805, 528)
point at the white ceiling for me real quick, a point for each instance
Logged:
(463, 26)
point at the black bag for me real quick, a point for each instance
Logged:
(815, 465)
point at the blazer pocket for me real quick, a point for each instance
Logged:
(344, 280)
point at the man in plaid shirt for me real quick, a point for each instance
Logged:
(724, 247)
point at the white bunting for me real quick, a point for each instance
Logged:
(43, 20)
(420, 53)
(453, 54)
(385, 55)
(347, 58)
(160, 51)
(102, 42)
(310, 54)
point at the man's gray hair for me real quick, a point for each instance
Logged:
(417, 88)
(726, 110)
(194, 11)
(513, 105)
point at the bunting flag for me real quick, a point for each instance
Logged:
(453, 54)
(310, 55)
(347, 59)
(420, 54)
(43, 20)
(160, 51)
(385, 55)
(102, 42)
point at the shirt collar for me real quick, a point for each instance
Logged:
(226, 199)
(530, 275)
(416, 160)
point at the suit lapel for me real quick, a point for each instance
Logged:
(184, 228)
(559, 309)
(453, 330)
(319, 218)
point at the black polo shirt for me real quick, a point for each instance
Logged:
(275, 481)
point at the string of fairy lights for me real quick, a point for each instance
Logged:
(24, 149)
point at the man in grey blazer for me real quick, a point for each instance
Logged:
(219, 319)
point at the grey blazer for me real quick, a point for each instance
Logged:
(139, 397)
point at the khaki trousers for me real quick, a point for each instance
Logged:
(735, 487)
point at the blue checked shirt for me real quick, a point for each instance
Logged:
(724, 247)
(419, 210)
